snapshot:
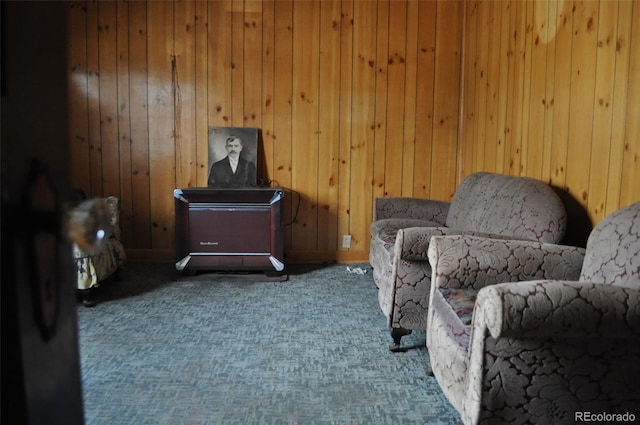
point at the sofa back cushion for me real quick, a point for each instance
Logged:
(613, 250)
(521, 207)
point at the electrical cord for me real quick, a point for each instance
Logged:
(271, 183)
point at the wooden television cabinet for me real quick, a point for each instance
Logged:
(229, 229)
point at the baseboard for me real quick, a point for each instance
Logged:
(291, 257)
(151, 255)
(317, 257)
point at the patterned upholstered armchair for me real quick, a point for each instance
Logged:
(528, 332)
(94, 228)
(484, 204)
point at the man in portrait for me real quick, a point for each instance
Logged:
(232, 170)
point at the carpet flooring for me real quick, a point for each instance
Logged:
(162, 348)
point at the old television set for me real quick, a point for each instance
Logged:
(231, 230)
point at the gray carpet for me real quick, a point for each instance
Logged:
(161, 348)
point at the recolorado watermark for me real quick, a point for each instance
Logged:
(604, 417)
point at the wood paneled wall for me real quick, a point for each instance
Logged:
(551, 90)
(354, 99)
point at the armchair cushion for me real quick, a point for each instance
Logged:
(462, 302)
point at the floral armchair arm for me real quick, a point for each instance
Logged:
(412, 243)
(464, 261)
(554, 308)
(413, 208)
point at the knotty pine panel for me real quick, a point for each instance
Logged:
(381, 96)
(220, 63)
(162, 101)
(282, 111)
(411, 82)
(362, 119)
(571, 96)
(346, 96)
(124, 114)
(396, 80)
(304, 127)
(184, 93)
(108, 88)
(504, 11)
(140, 202)
(329, 134)
(446, 100)
(201, 92)
(97, 174)
(492, 76)
(425, 81)
(354, 99)
(630, 178)
(603, 107)
(78, 111)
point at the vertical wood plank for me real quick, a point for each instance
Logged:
(346, 96)
(630, 191)
(619, 106)
(161, 134)
(237, 63)
(583, 65)
(526, 91)
(483, 47)
(201, 92)
(110, 146)
(80, 174)
(425, 65)
(409, 131)
(305, 121)
(468, 145)
(362, 119)
(547, 137)
(602, 108)
(328, 125)
(93, 100)
(184, 93)
(252, 115)
(282, 101)
(519, 36)
(446, 110)
(268, 78)
(492, 76)
(396, 72)
(536, 120)
(219, 56)
(124, 121)
(561, 95)
(380, 130)
(502, 85)
(140, 199)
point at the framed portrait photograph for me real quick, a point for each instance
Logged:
(233, 156)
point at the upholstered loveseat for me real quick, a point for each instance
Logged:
(527, 332)
(484, 204)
